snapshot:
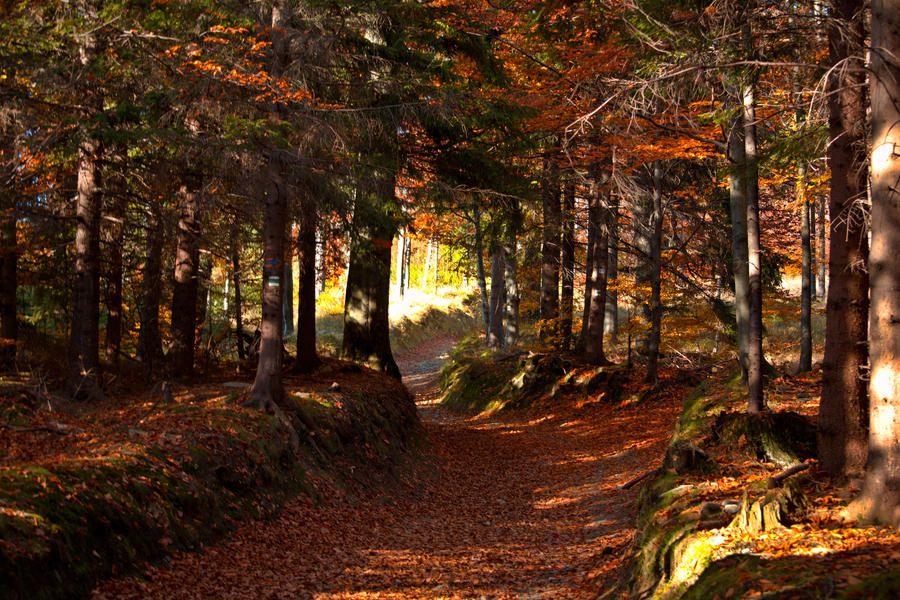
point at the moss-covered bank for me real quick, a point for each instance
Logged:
(148, 480)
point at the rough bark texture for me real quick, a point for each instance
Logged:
(204, 285)
(510, 277)
(880, 497)
(599, 215)
(738, 209)
(366, 325)
(149, 338)
(9, 254)
(307, 356)
(820, 266)
(611, 320)
(591, 227)
(844, 409)
(114, 237)
(479, 267)
(495, 331)
(184, 292)
(656, 218)
(567, 249)
(549, 329)
(755, 359)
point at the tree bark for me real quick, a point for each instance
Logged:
(238, 301)
(880, 497)
(611, 320)
(204, 290)
(820, 266)
(738, 208)
(550, 251)
(495, 331)
(656, 218)
(184, 293)
(114, 238)
(511, 275)
(843, 409)
(149, 337)
(401, 263)
(9, 255)
(591, 226)
(755, 358)
(567, 293)
(366, 318)
(599, 215)
(806, 275)
(479, 266)
(307, 355)
(288, 302)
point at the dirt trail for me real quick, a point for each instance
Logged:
(517, 507)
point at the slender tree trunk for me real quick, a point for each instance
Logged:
(511, 276)
(567, 293)
(813, 258)
(738, 206)
(9, 254)
(611, 320)
(366, 317)
(550, 251)
(322, 234)
(423, 280)
(591, 226)
(204, 290)
(288, 302)
(599, 215)
(844, 409)
(238, 301)
(495, 331)
(115, 237)
(656, 218)
(820, 205)
(880, 497)
(184, 293)
(755, 358)
(307, 356)
(479, 265)
(149, 337)
(806, 275)
(401, 262)
(84, 333)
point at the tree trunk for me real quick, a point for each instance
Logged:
(656, 218)
(813, 258)
(84, 333)
(880, 497)
(114, 238)
(288, 302)
(738, 206)
(806, 275)
(238, 301)
(401, 263)
(511, 278)
(843, 409)
(755, 359)
(599, 216)
(149, 337)
(591, 226)
(9, 254)
(322, 235)
(820, 275)
(550, 251)
(611, 319)
(204, 289)
(184, 293)
(366, 318)
(479, 265)
(307, 355)
(567, 293)
(495, 331)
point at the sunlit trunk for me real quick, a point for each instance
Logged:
(611, 320)
(567, 251)
(656, 218)
(599, 215)
(550, 250)
(288, 302)
(479, 266)
(184, 293)
(495, 331)
(510, 275)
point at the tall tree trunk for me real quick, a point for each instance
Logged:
(738, 209)
(843, 409)
(114, 235)
(268, 391)
(184, 293)
(820, 275)
(84, 333)
(599, 215)
(307, 356)
(495, 331)
(813, 258)
(806, 275)
(591, 226)
(149, 337)
(288, 302)
(423, 280)
(366, 317)
(204, 292)
(401, 263)
(322, 235)
(511, 276)
(611, 319)
(656, 218)
(479, 265)
(550, 251)
(880, 497)
(238, 301)
(755, 358)
(9, 254)
(567, 249)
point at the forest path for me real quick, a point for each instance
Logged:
(520, 506)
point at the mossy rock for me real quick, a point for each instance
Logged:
(784, 438)
(683, 456)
